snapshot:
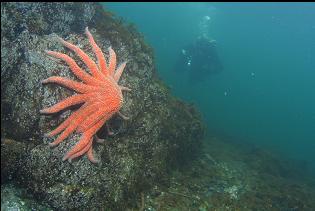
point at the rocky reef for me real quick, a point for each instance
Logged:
(161, 134)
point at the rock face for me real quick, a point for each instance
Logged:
(162, 132)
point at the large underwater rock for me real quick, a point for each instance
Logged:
(162, 132)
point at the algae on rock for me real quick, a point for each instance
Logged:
(162, 132)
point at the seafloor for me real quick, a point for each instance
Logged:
(235, 176)
(226, 176)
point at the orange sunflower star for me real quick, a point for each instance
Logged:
(100, 95)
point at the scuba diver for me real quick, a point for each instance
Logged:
(199, 59)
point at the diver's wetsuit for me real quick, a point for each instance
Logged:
(200, 59)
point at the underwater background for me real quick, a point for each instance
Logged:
(265, 95)
(220, 112)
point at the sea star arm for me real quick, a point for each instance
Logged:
(92, 119)
(69, 101)
(85, 58)
(81, 152)
(119, 71)
(109, 131)
(98, 52)
(89, 149)
(91, 156)
(99, 140)
(77, 120)
(78, 147)
(66, 122)
(112, 61)
(86, 138)
(122, 116)
(76, 86)
(123, 88)
(77, 71)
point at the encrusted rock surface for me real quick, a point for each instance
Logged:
(162, 131)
